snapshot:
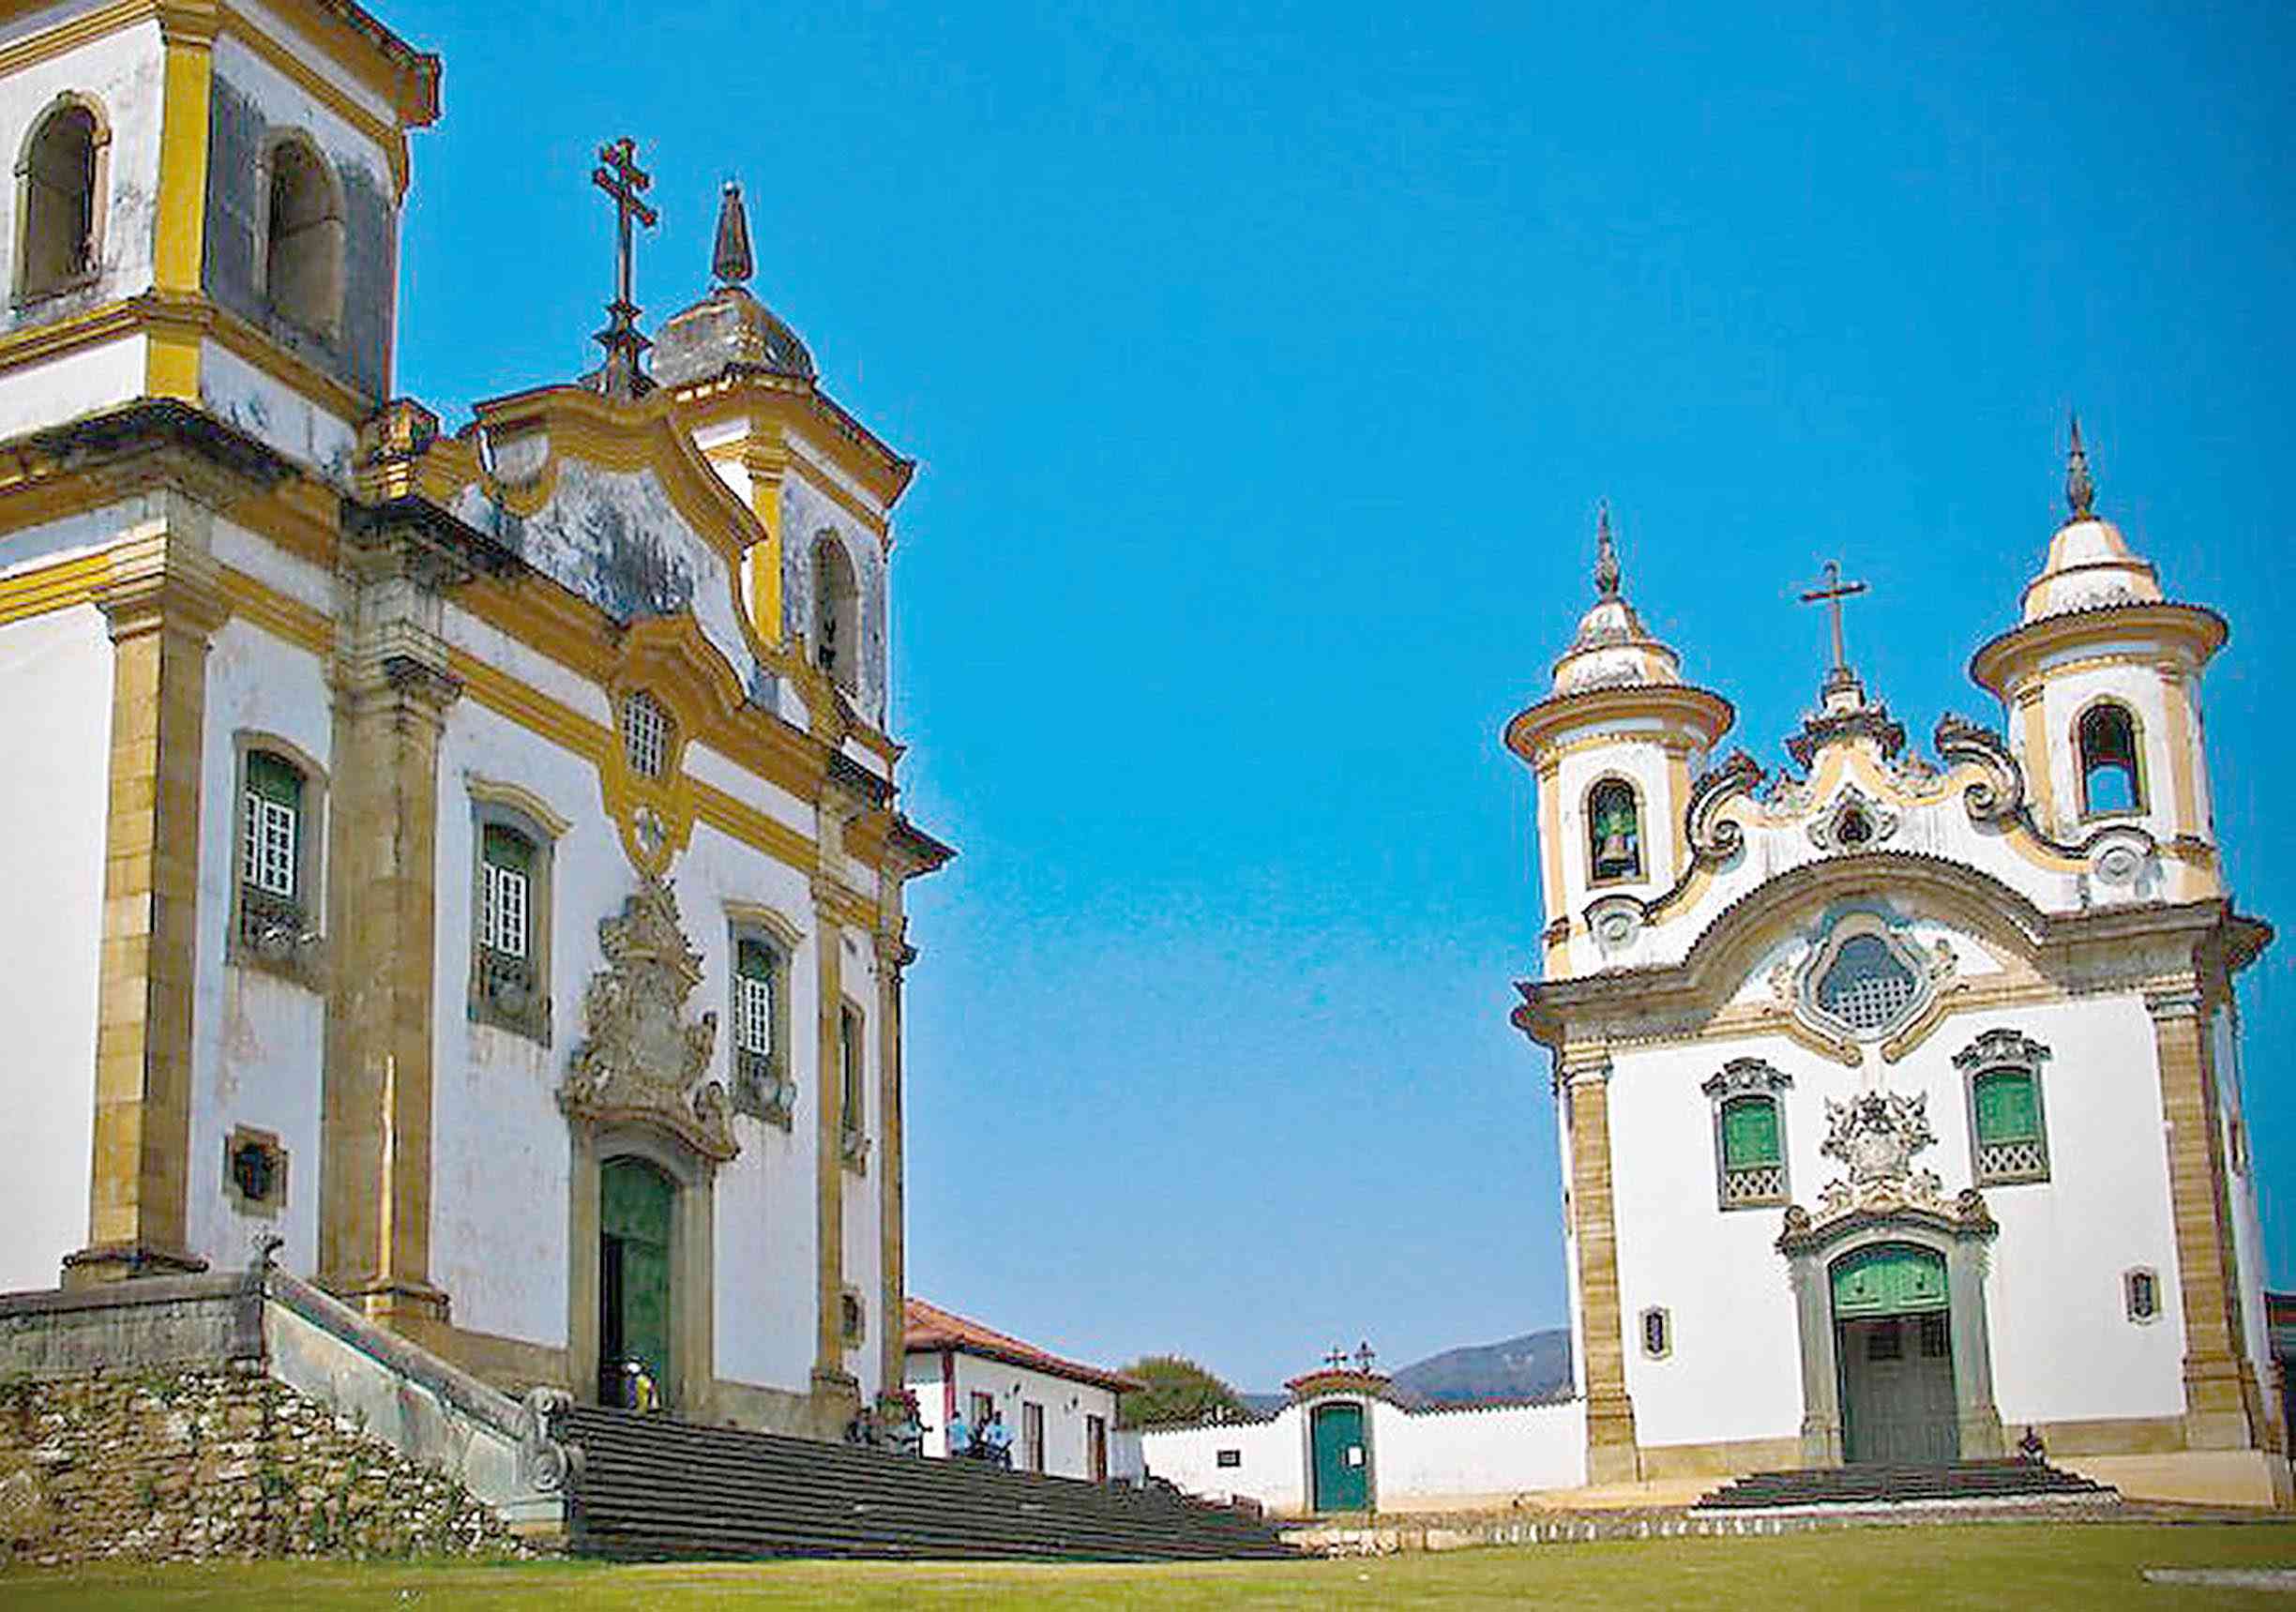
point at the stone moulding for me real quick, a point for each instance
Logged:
(644, 1062)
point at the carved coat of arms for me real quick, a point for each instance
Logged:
(644, 1061)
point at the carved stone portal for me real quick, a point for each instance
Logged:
(644, 1061)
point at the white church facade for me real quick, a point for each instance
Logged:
(1899, 1099)
(473, 859)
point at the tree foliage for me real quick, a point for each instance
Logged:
(1178, 1390)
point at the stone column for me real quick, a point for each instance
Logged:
(894, 955)
(392, 693)
(1821, 1416)
(1611, 1454)
(163, 602)
(2224, 1406)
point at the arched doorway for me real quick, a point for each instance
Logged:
(637, 1223)
(1341, 1458)
(1894, 1342)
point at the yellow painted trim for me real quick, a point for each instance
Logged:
(70, 35)
(771, 919)
(180, 218)
(40, 343)
(520, 799)
(241, 339)
(773, 408)
(38, 590)
(279, 613)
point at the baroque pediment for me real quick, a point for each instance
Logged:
(645, 1063)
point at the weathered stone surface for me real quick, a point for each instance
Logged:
(203, 1464)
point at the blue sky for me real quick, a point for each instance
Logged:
(1265, 366)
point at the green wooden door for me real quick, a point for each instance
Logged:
(635, 1205)
(1342, 1463)
(1894, 1350)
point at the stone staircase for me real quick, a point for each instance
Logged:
(2005, 1482)
(649, 1487)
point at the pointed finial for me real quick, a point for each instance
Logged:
(730, 261)
(1606, 555)
(2080, 492)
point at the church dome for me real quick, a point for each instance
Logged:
(728, 331)
(2089, 563)
(1612, 647)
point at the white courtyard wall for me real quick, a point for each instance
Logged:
(1272, 1468)
(56, 720)
(1430, 1460)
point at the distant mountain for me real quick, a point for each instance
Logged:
(1535, 1366)
(1532, 1366)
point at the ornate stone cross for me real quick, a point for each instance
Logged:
(1832, 595)
(619, 175)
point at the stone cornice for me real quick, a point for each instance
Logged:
(2004, 662)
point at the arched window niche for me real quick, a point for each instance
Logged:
(1614, 832)
(1749, 1132)
(1867, 979)
(514, 837)
(60, 188)
(2105, 741)
(763, 946)
(2008, 1130)
(303, 236)
(836, 614)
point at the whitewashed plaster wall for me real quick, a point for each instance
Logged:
(2239, 1176)
(276, 414)
(1422, 1459)
(1642, 764)
(2062, 1346)
(863, 1246)
(77, 383)
(1067, 1405)
(2068, 693)
(259, 1042)
(56, 720)
(122, 71)
(1271, 1467)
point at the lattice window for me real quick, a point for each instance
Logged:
(271, 825)
(1657, 1332)
(1753, 1156)
(2011, 1144)
(646, 732)
(2140, 1295)
(1867, 985)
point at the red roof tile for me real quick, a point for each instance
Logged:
(932, 1329)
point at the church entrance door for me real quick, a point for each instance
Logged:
(636, 1207)
(1893, 1341)
(1342, 1464)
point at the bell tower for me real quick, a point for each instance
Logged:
(1614, 747)
(206, 211)
(2100, 683)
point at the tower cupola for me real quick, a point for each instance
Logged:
(2100, 683)
(1614, 747)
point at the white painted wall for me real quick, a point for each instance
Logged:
(259, 1042)
(55, 718)
(1421, 1460)
(1066, 1404)
(2062, 1346)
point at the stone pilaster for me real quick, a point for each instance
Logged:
(392, 693)
(1611, 1454)
(163, 603)
(829, 1373)
(2223, 1408)
(894, 956)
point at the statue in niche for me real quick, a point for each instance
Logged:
(644, 1061)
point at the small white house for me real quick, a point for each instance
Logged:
(1063, 1414)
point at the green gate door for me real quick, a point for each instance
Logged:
(635, 1205)
(1342, 1464)
(1892, 1341)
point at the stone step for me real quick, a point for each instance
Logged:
(654, 1487)
(1887, 1485)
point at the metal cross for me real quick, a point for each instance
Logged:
(619, 175)
(1832, 595)
(1337, 1360)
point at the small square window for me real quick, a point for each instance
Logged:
(1228, 1457)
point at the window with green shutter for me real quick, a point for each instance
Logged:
(507, 890)
(1753, 1152)
(2010, 1144)
(271, 822)
(761, 1085)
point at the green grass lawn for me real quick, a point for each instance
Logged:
(1934, 1569)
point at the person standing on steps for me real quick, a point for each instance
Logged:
(960, 1436)
(998, 1438)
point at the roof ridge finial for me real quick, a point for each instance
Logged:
(1606, 555)
(2080, 492)
(730, 261)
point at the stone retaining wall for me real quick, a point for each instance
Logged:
(174, 1466)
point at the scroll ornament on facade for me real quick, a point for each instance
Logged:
(644, 1061)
